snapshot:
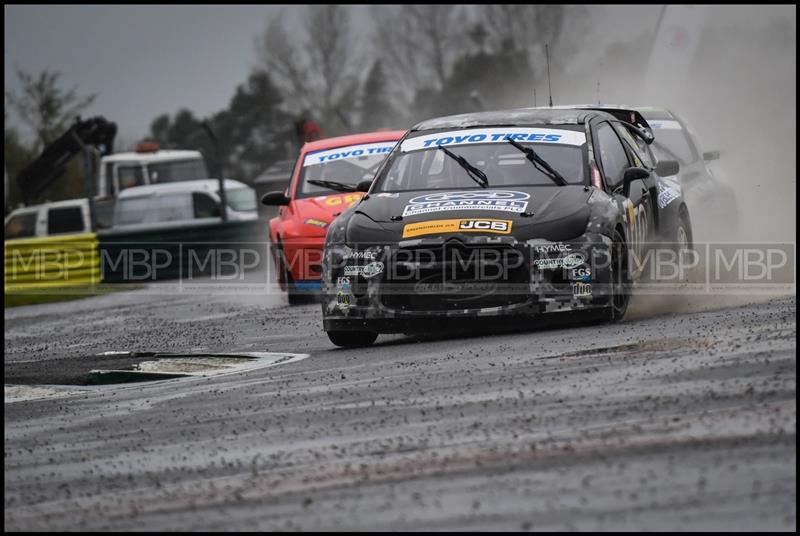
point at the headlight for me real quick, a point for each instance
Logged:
(337, 233)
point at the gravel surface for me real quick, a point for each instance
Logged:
(677, 421)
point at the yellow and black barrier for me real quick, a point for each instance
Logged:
(50, 262)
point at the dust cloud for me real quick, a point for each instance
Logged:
(738, 95)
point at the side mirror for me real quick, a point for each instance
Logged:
(273, 199)
(633, 174)
(667, 168)
(710, 155)
(364, 185)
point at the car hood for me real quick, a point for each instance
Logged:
(550, 212)
(324, 208)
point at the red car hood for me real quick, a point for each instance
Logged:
(314, 211)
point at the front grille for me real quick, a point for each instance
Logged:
(455, 276)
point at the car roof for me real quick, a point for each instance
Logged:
(204, 185)
(515, 117)
(353, 139)
(51, 204)
(156, 156)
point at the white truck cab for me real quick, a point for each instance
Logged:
(58, 218)
(147, 165)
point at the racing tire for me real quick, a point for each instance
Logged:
(682, 243)
(285, 277)
(352, 339)
(682, 239)
(620, 279)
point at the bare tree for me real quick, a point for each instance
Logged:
(418, 43)
(317, 70)
(45, 107)
(530, 27)
(287, 67)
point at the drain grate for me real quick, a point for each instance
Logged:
(167, 366)
(120, 367)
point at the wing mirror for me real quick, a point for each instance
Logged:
(273, 199)
(364, 185)
(632, 174)
(667, 168)
(710, 155)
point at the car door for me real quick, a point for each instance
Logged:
(613, 159)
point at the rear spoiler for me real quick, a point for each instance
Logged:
(627, 115)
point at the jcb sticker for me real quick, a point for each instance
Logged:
(457, 226)
(343, 199)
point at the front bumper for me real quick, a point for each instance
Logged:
(460, 280)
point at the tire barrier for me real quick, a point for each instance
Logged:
(51, 262)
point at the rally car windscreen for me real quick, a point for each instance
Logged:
(348, 165)
(672, 144)
(424, 167)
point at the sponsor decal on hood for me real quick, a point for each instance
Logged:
(457, 226)
(500, 200)
(316, 223)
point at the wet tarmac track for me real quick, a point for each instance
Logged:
(676, 421)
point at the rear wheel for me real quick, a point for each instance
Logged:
(352, 339)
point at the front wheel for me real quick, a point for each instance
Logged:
(285, 279)
(620, 279)
(352, 339)
(682, 244)
(682, 239)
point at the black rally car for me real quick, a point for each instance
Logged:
(495, 214)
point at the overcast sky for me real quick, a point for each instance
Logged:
(146, 60)
(141, 60)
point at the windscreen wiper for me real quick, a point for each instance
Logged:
(539, 163)
(474, 173)
(333, 185)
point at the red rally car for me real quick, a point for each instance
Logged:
(324, 183)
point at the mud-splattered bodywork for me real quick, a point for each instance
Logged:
(551, 254)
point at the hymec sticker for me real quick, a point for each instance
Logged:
(500, 200)
(344, 153)
(494, 135)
